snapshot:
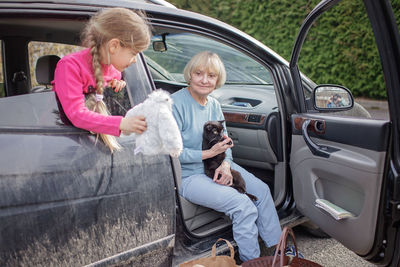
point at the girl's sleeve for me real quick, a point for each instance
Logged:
(188, 155)
(68, 86)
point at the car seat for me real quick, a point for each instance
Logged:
(45, 67)
(198, 220)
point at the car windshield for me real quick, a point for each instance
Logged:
(240, 68)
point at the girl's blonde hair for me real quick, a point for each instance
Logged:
(209, 62)
(132, 31)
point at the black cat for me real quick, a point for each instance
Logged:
(213, 132)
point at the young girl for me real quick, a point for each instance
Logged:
(114, 37)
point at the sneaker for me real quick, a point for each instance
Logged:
(290, 251)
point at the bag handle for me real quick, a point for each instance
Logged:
(214, 247)
(281, 247)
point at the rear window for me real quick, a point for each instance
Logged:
(39, 49)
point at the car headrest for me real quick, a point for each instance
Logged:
(45, 67)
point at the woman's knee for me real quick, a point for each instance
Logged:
(244, 206)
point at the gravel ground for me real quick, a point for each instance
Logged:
(326, 251)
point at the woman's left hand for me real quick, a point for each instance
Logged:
(223, 175)
(117, 85)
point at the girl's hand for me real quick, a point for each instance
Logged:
(117, 85)
(135, 124)
(223, 175)
(221, 147)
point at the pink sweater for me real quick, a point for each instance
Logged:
(72, 78)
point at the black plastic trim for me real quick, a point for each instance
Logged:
(363, 133)
(315, 149)
(43, 130)
(274, 132)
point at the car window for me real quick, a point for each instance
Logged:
(38, 109)
(2, 93)
(396, 11)
(38, 49)
(342, 50)
(169, 64)
(138, 86)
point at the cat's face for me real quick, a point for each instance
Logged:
(213, 132)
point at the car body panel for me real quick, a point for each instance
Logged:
(100, 200)
(65, 199)
(63, 193)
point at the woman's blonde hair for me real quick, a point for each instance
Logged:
(132, 31)
(207, 61)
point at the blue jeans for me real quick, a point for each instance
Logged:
(248, 218)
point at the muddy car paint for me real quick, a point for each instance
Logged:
(66, 201)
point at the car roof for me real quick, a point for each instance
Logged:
(157, 2)
(158, 10)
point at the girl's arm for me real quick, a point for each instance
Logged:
(69, 89)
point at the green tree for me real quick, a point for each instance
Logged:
(340, 49)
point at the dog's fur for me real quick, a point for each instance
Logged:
(162, 135)
(213, 133)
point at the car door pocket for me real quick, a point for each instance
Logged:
(333, 210)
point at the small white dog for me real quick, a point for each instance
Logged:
(162, 135)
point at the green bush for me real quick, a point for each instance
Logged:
(340, 49)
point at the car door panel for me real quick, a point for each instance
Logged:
(350, 177)
(62, 192)
(246, 111)
(252, 147)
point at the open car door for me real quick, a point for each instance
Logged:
(345, 169)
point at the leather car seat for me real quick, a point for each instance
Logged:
(198, 219)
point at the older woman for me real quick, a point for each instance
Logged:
(192, 108)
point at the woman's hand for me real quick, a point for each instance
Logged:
(217, 149)
(117, 85)
(135, 124)
(221, 147)
(223, 175)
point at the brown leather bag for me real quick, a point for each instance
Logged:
(280, 259)
(214, 261)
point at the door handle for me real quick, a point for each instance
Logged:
(317, 150)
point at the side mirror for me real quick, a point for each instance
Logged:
(330, 97)
(160, 45)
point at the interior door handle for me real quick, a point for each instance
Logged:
(317, 150)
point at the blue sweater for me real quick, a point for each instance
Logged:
(191, 117)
